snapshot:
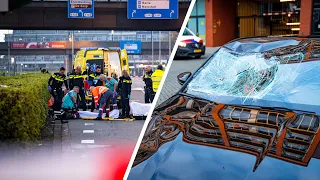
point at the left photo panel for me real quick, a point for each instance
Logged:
(77, 81)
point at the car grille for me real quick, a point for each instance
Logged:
(195, 45)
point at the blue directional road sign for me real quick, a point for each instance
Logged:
(132, 47)
(81, 9)
(153, 9)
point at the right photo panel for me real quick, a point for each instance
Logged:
(241, 99)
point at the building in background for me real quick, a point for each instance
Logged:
(226, 20)
(256, 18)
(197, 20)
(57, 45)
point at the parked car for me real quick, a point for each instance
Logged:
(251, 111)
(189, 45)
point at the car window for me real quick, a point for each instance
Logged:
(256, 79)
(187, 32)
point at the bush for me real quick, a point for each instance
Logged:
(23, 106)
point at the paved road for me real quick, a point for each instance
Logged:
(85, 136)
(137, 91)
(178, 66)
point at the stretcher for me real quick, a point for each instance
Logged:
(108, 119)
(139, 111)
(58, 115)
(86, 115)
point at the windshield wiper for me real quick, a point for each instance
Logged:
(273, 108)
(189, 95)
(253, 106)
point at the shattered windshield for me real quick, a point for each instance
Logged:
(288, 80)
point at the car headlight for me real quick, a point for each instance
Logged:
(182, 44)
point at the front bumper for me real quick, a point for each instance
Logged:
(188, 51)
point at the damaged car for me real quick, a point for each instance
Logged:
(251, 111)
(190, 45)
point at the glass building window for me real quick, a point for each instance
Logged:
(197, 21)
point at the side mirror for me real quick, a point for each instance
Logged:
(183, 77)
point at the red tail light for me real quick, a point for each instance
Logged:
(201, 41)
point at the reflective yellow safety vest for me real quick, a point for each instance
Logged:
(156, 79)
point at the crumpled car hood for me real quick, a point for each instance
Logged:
(178, 160)
(194, 139)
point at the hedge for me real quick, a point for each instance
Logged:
(23, 106)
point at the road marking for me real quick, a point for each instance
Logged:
(137, 89)
(87, 141)
(134, 100)
(89, 146)
(88, 131)
(88, 124)
(98, 146)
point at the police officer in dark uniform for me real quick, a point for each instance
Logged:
(125, 83)
(94, 77)
(55, 87)
(149, 94)
(76, 79)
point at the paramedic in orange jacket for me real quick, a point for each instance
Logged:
(102, 94)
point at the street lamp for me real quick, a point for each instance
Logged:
(71, 39)
(9, 49)
(159, 47)
(14, 65)
(112, 32)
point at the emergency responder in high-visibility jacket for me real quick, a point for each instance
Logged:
(94, 79)
(125, 83)
(156, 78)
(102, 96)
(76, 79)
(55, 87)
(100, 83)
(149, 93)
